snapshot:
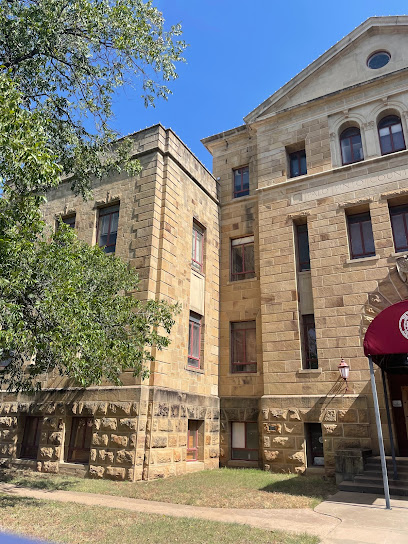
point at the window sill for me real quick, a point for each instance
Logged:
(362, 260)
(201, 274)
(193, 369)
(399, 253)
(313, 371)
(239, 282)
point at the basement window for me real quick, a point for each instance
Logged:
(314, 444)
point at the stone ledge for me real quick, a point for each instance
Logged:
(362, 260)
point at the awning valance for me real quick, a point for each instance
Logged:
(388, 332)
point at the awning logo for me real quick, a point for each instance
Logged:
(403, 325)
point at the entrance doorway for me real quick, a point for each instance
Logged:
(398, 390)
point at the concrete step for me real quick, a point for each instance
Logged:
(362, 478)
(377, 473)
(403, 461)
(376, 489)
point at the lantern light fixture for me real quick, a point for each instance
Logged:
(344, 370)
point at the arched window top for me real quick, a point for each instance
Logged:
(391, 134)
(351, 146)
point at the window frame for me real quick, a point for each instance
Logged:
(194, 319)
(242, 192)
(67, 220)
(306, 359)
(358, 218)
(24, 454)
(235, 364)
(241, 245)
(298, 155)
(394, 211)
(301, 264)
(233, 458)
(393, 150)
(103, 212)
(72, 435)
(344, 138)
(197, 265)
(195, 448)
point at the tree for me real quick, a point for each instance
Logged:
(63, 304)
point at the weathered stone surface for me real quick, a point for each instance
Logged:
(329, 415)
(55, 438)
(124, 457)
(8, 422)
(298, 457)
(50, 467)
(120, 408)
(96, 471)
(127, 424)
(283, 441)
(109, 424)
(332, 429)
(356, 431)
(118, 441)
(270, 455)
(159, 441)
(348, 416)
(115, 473)
(51, 454)
(100, 439)
(280, 415)
(105, 456)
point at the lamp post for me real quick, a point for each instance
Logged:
(344, 370)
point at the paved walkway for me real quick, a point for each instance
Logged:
(347, 518)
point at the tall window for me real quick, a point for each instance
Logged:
(108, 228)
(242, 258)
(399, 223)
(351, 146)
(360, 235)
(243, 346)
(197, 246)
(303, 255)
(241, 181)
(309, 342)
(70, 221)
(244, 440)
(194, 340)
(31, 437)
(391, 135)
(80, 440)
(297, 163)
(192, 439)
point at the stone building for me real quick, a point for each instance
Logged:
(168, 423)
(314, 215)
(280, 261)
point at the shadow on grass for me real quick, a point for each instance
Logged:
(24, 480)
(313, 487)
(8, 501)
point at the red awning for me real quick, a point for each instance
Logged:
(388, 332)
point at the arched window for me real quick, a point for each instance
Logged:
(351, 146)
(391, 135)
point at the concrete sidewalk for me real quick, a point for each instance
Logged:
(347, 518)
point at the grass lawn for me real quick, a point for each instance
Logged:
(77, 524)
(223, 488)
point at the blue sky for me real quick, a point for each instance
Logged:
(239, 53)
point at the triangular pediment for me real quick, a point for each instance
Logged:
(343, 66)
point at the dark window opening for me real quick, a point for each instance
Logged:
(310, 360)
(31, 437)
(70, 221)
(242, 258)
(351, 146)
(193, 439)
(243, 346)
(244, 440)
(314, 444)
(197, 253)
(108, 228)
(194, 340)
(241, 181)
(297, 163)
(378, 60)
(80, 440)
(399, 223)
(303, 254)
(360, 235)
(391, 135)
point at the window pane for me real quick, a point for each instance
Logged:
(237, 181)
(386, 146)
(250, 345)
(104, 230)
(398, 228)
(346, 150)
(294, 166)
(303, 247)
(398, 141)
(245, 179)
(238, 339)
(303, 165)
(355, 239)
(238, 434)
(252, 435)
(368, 238)
(114, 222)
(196, 340)
(249, 257)
(357, 148)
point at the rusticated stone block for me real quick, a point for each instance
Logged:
(293, 428)
(118, 441)
(298, 457)
(271, 456)
(100, 439)
(161, 410)
(159, 441)
(96, 472)
(278, 415)
(283, 441)
(23, 408)
(105, 456)
(134, 410)
(8, 435)
(120, 408)
(51, 454)
(115, 473)
(348, 416)
(176, 456)
(127, 424)
(124, 457)
(163, 457)
(272, 428)
(92, 455)
(133, 440)
(8, 422)
(55, 438)
(7, 449)
(213, 453)
(332, 429)
(52, 423)
(266, 442)
(173, 440)
(130, 474)
(300, 470)
(109, 423)
(329, 415)
(294, 415)
(175, 410)
(50, 467)
(356, 431)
